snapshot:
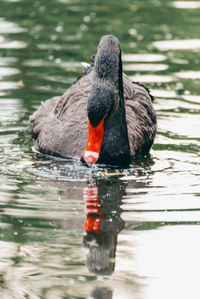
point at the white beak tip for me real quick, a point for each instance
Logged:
(91, 157)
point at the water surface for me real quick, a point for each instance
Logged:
(71, 231)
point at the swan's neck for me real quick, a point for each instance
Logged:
(115, 144)
(106, 64)
(108, 67)
(107, 101)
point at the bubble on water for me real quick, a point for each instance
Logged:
(59, 28)
(83, 27)
(67, 258)
(58, 60)
(71, 281)
(86, 19)
(51, 57)
(42, 8)
(132, 31)
(82, 278)
(53, 37)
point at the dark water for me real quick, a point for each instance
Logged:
(68, 231)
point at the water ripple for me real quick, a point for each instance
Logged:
(143, 57)
(186, 4)
(152, 78)
(10, 27)
(13, 44)
(8, 71)
(187, 44)
(145, 67)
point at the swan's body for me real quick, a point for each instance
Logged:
(60, 125)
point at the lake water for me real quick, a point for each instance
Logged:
(71, 231)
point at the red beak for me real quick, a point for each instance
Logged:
(95, 138)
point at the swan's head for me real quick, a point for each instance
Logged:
(99, 109)
(105, 94)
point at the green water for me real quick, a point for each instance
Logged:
(149, 214)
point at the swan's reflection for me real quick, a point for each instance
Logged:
(102, 226)
(101, 293)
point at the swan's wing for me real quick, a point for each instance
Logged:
(60, 126)
(140, 116)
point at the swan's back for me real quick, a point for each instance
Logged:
(60, 126)
(140, 117)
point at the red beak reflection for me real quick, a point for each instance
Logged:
(93, 210)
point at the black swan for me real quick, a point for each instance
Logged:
(103, 117)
